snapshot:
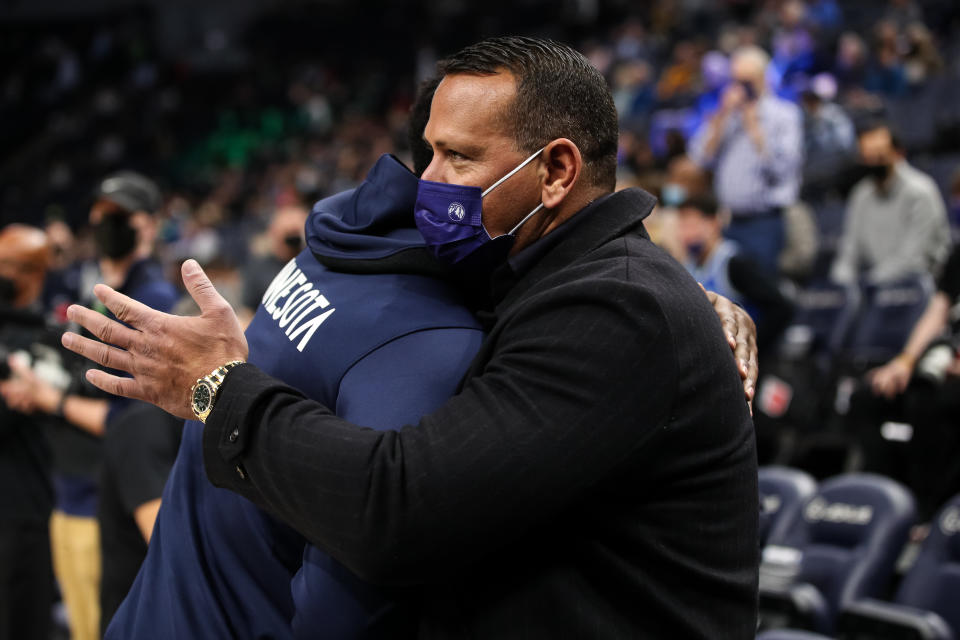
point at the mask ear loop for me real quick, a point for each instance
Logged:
(509, 175)
(525, 218)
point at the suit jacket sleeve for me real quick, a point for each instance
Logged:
(581, 378)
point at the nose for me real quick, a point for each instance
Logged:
(433, 172)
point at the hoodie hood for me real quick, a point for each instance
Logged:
(372, 222)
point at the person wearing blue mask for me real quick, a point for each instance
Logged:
(599, 452)
(720, 266)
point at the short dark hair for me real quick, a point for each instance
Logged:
(559, 95)
(873, 123)
(420, 151)
(706, 204)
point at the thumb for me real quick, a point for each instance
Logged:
(200, 288)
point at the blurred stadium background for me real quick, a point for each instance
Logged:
(241, 108)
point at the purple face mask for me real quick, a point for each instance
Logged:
(449, 219)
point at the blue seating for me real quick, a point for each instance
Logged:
(927, 604)
(842, 549)
(782, 491)
(821, 321)
(790, 634)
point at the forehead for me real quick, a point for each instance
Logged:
(875, 138)
(745, 67)
(470, 106)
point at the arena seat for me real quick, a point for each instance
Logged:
(824, 313)
(842, 549)
(782, 491)
(790, 634)
(927, 604)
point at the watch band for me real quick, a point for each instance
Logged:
(213, 381)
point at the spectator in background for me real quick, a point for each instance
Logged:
(26, 578)
(678, 81)
(633, 89)
(886, 75)
(829, 139)
(124, 229)
(825, 16)
(719, 266)
(285, 239)
(922, 60)
(139, 450)
(754, 144)
(903, 12)
(793, 44)
(684, 180)
(714, 76)
(850, 67)
(896, 223)
(919, 387)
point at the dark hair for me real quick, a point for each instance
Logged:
(559, 95)
(874, 123)
(705, 204)
(419, 115)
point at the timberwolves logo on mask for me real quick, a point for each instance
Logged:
(456, 211)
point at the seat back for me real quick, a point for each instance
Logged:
(821, 321)
(790, 634)
(933, 583)
(782, 491)
(849, 536)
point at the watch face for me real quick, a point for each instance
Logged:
(202, 397)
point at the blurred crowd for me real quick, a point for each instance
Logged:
(805, 154)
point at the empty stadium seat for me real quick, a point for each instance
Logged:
(927, 604)
(782, 491)
(821, 321)
(843, 548)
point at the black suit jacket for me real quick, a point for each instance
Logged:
(595, 478)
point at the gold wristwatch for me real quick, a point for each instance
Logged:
(204, 393)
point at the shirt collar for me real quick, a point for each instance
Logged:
(521, 262)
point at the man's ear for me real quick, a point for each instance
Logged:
(563, 168)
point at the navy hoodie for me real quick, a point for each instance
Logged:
(361, 321)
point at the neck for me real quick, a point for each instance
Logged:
(547, 220)
(115, 270)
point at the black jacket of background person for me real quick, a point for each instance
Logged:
(596, 477)
(25, 458)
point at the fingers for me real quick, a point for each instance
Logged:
(101, 353)
(746, 353)
(126, 309)
(727, 312)
(201, 289)
(126, 387)
(730, 325)
(110, 331)
(19, 367)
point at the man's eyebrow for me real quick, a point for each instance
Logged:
(443, 144)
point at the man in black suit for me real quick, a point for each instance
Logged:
(596, 474)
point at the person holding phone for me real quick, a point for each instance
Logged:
(753, 143)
